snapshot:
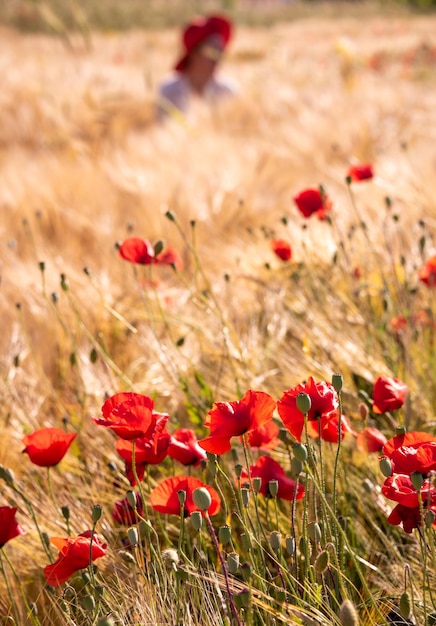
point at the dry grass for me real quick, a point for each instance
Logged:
(84, 165)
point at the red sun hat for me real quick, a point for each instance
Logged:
(201, 29)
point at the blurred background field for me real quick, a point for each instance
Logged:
(84, 165)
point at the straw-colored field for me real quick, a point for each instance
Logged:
(83, 165)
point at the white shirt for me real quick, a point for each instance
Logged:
(176, 95)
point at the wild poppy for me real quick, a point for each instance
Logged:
(184, 447)
(370, 440)
(268, 469)
(360, 172)
(9, 527)
(265, 436)
(137, 250)
(147, 452)
(412, 452)
(388, 394)
(410, 518)
(232, 419)
(282, 249)
(128, 414)
(75, 553)
(399, 488)
(313, 202)
(328, 428)
(123, 513)
(47, 447)
(164, 498)
(324, 404)
(170, 256)
(427, 274)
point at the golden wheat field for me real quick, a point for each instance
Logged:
(84, 165)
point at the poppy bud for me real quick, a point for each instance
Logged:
(303, 402)
(131, 499)
(283, 435)
(238, 470)
(170, 216)
(417, 480)
(202, 498)
(401, 430)
(158, 247)
(65, 510)
(290, 545)
(224, 535)
(273, 488)
(257, 484)
(405, 607)
(97, 512)
(127, 556)
(132, 535)
(300, 452)
(275, 540)
(363, 411)
(88, 603)
(246, 541)
(429, 518)
(7, 475)
(233, 562)
(322, 562)
(348, 614)
(337, 382)
(196, 520)
(386, 466)
(245, 495)
(314, 532)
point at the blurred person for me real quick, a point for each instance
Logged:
(195, 74)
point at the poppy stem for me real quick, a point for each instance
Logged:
(214, 538)
(35, 621)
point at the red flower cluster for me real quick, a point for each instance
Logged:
(137, 250)
(427, 274)
(184, 447)
(282, 249)
(232, 419)
(9, 527)
(360, 172)
(313, 202)
(47, 447)
(324, 405)
(75, 553)
(388, 394)
(267, 469)
(410, 453)
(165, 499)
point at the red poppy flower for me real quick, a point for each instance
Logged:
(399, 488)
(47, 447)
(231, 419)
(313, 202)
(146, 453)
(9, 527)
(137, 250)
(282, 249)
(164, 498)
(388, 394)
(184, 447)
(427, 274)
(408, 517)
(128, 414)
(267, 469)
(264, 437)
(370, 440)
(170, 256)
(357, 173)
(412, 452)
(329, 427)
(74, 555)
(324, 402)
(124, 514)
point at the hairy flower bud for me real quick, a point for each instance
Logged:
(202, 498)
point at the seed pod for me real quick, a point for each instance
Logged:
(224, 535)
(405, 606)
(202, 498)
(245, 495)
(300, 452)
(322, 562)
(273, 488)
(275, 540)
(233, 562)
(303, 402)
(386, 466)
(337, 382)
(257, 484)
(314, 532)
(196, 520)
(348, 614)
(132, 535)
(290, 546)
(417, 480)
